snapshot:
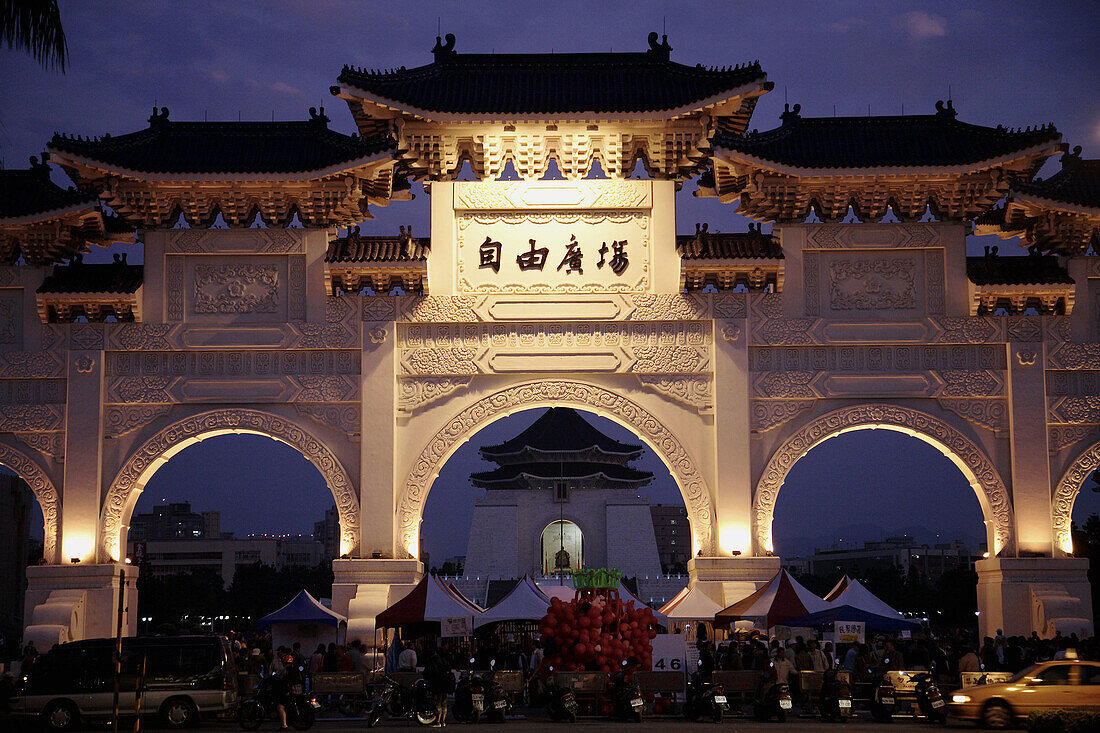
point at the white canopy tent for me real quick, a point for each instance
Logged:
(857, 595)
(525, 602)
(690, 604)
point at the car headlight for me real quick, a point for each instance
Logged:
(960, 698)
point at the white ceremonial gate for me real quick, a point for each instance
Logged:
(535, 292)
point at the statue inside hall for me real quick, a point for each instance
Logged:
(563, 497)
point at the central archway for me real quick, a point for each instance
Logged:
(959, 449)
(685, 471)
(144, 462)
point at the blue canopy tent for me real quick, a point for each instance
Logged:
(307, 621)
(873, 621)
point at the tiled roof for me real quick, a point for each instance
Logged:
(355, 248)
(559, 429)
(728, 246)
(225, 147)
(1077, 183)
(1027, 270)
(882, 142)
(553, 470)
(27, 192)
(78, 277)
(557, 83)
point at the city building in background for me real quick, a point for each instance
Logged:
(673, 535)
(902, 554)
(327, 532)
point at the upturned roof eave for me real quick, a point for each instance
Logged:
(1017, 197)
(734, 157)
(353, 93)
(49, 214)
(65, 158)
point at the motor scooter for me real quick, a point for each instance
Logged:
(301, 709)
(561, 703)
(626, 696)
(773, 698)
(883, 698)
(929, 699)
(836, 696)
(469, 697)
(497, 703)
(704, 698)
(400, 702)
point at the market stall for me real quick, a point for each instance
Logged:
(781, 599)
(856, 594)
(304, 620)
(689, 608)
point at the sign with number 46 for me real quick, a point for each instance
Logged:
(669, 653)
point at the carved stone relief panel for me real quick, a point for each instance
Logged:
(871, 236)
(11, 319)
(602, 307)
(251, 241)
(870, 283)
(235, 289)
(32, 391)
(31, 364)
(1064, 436)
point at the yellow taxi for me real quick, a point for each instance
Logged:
(1061, 683)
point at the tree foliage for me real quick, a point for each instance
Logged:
(35, 26)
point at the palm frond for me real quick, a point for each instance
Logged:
(35, 26)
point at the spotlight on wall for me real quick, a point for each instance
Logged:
(74, 560)
(129, 561)
(735, 553)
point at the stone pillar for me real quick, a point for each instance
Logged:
(73, 602)
(1030, 462)
(361, 589)
(1020, 595)
(377, 482)
(80, 494)
(726, 580)
(732, 479)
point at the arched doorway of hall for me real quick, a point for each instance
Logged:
(645, 426)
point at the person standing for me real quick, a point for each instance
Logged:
(441, 681)
(280, 687)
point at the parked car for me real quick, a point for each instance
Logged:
(1062, 683)
(186, 678)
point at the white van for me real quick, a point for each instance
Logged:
(186, 678)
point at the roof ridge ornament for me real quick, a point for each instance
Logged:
(318, 116)
(42, 168)
(790, 114)
(661, 49)
(444, 51)
(948, 111)
(157, 119)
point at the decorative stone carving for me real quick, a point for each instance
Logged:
(173, 278)
(43, 489)
(331, 388)
(84, 364)
(87, 336)
(1076, 356)
(729, 305)
(416, 392)
(679, 307)
(30, 364)
(434, 309)
(296, 287)
(811, 279)
(731, 332)
(139, 336)
(377, 335)
(971, 383)
(380, 308)
(16, 418)
(883, 359)
(872, 236)
(878, 284)
(118, 420)
(670, 360)
(555, 335)
(139, 465)
(990, 414)
(693, 391)
(935, 281)
(1065, 493)
(765, 415)
(326, 335)
(51, 445)
(1063, 436)
(139, 389)
(233, 363)
(1024, 329)
(32, 391)
(973, 330)
(1026, 357)
(440, 361)
(1076, 410)
(426, 467)
(10, 326)
(236, 289)
(997, 506)
(791, 385)
(255, 241)
(344, 418)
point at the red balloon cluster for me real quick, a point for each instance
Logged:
(597, 634)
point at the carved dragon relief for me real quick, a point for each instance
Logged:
(684, 468)
(130, 477)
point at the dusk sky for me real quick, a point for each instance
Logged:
(1011, 63)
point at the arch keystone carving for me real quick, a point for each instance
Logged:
(971, 459)
(646, 426)
(141, 464)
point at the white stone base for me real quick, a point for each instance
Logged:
(73, 602)
(1041, 594)
(361, 589)
(726, 580)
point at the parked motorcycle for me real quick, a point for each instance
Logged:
(400, 702)
(301, 710)
(626, 696)
(836, 697)
(497, 703)
(704, 698)
(469, 697)
(929, 699)
(773, 698)
(883, 697)
(561, 703)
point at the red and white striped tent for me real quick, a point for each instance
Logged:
(430, 601)
(782, 598)
(838, 588)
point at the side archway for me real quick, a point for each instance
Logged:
(684, 469)
(1065, 494)
(959, 449)
(44, 491)
(143, 463)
